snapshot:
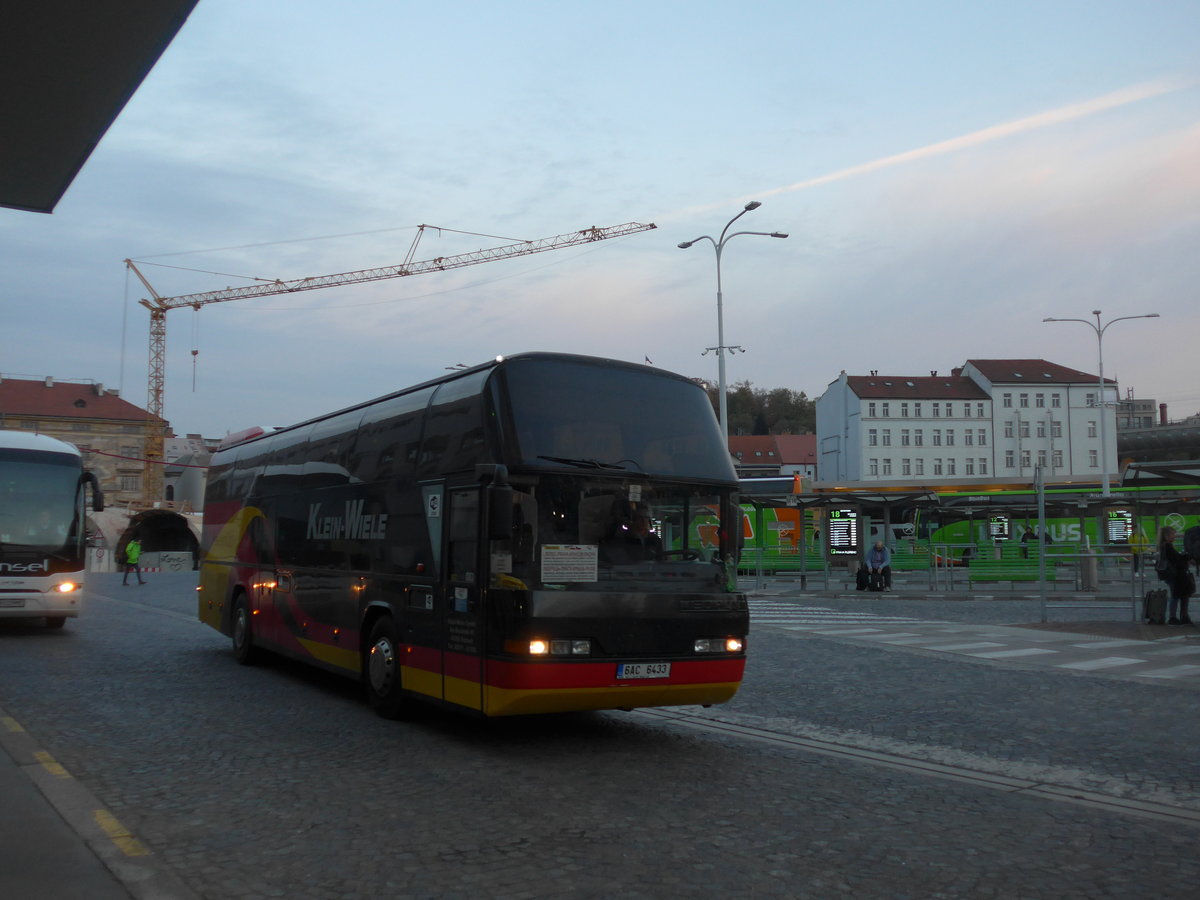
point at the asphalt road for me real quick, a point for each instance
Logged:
(840, 769)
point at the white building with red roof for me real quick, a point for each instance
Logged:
(987, 420)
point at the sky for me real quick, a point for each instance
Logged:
(949, 175)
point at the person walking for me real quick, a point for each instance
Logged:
(1172, 567)
(133, 553)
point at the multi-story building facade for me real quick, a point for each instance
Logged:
(109, 430)
(987, 420)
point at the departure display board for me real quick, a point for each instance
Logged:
(999, 528)
(842, 529)
(1120, 526)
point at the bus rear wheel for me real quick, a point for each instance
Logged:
(244, 650)
(381, 670)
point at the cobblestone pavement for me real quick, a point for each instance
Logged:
(277, 780)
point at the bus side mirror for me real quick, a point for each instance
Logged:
(97, 494)
(500, 512)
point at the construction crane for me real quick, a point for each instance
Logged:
(159, 306)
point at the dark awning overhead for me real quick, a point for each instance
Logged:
(67, 70)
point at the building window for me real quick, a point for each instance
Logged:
(917, 410)
(873, 467)
(1056, 429)
(949, 437)
(871, 410)
(937, 437)
(983, 465)
(1057, 457)
(982, 433)
(1024, 401)
(129, 452)
(887, 437)
(1041, 429)
(1039, 400)
(1026, 460)
(1008, 429)
(970, 466)
(906, 467)
(937, 410)
(1055, 402)
(131, 429)
(969, 437)
(131, 483)
(1042, 458)
(979, 410)
(920, 467)
(1007, 401)
(887, 467)
(904, 410)
(872, 438)
(918, 438)
(1092, 459)
(950, 467)
(967, 410)
(904, 439)
(1089, 400)
(1024, 429)
(1091, 429)
(937, 467)
(884, 410)
(1010, 459)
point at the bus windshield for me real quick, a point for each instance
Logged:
(641, 422)
(581, 533)
(38, 493)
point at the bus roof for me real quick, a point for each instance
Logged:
(256, 432)
(23, 440)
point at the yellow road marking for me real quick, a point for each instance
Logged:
(119, 834)
(50, 764)
(11, 724)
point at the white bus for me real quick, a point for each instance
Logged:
(42, 534)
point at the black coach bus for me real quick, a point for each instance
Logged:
(541, 533)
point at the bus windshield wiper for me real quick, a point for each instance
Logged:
(582, 463)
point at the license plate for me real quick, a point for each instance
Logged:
(11, 602)
(644, 670)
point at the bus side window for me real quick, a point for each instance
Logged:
(464, 536)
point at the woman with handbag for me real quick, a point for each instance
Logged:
(1172, 567)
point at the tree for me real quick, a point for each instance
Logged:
(758, 411)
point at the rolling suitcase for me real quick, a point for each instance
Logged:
(1154, 607)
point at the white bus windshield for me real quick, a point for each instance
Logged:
(38, 497)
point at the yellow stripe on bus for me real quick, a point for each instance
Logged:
(507, 702)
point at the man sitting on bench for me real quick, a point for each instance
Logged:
(879, 567)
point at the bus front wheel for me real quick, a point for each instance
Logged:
(381, 669)
(244, 650)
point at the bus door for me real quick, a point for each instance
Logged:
(462, 660)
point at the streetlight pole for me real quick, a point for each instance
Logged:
(719, 246)
(1100, 329)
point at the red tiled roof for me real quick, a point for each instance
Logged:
(797, 449)
(22, 397)
(950, 387)
(1030, 371)
(748, 444)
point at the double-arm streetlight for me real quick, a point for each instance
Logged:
(1100, 329)
(719, 246)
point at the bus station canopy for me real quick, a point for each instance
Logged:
(68, 70)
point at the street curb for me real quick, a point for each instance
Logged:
(133, 864)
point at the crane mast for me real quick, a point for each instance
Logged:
(159, 306)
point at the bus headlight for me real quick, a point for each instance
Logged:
(719, 645)
(553, 647)
(65, 587)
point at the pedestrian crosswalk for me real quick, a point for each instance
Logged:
(774, 612)
(1154, 661)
